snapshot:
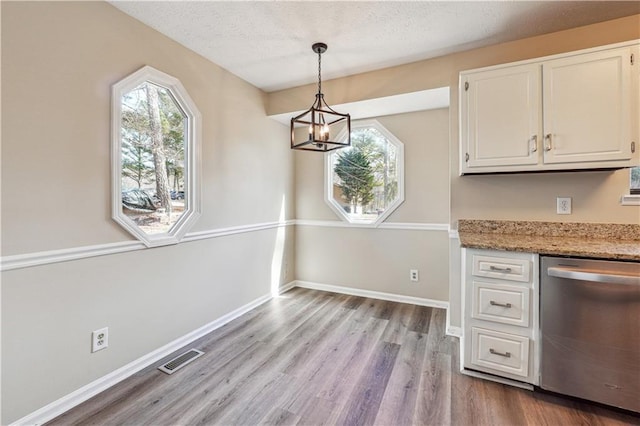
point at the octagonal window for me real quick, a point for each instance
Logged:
(364, 183)
(154, 145)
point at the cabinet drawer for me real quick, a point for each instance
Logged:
(503, 303)
(502, 268)
(500, 351)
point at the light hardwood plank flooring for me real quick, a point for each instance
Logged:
(317, 358)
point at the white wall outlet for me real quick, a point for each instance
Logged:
(413, 275)
(563, 205)
(100, 339)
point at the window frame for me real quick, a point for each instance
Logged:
(633, 197)
(192, 142)
(633, 191)
(328, 174)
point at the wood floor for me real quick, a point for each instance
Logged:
(317, 358)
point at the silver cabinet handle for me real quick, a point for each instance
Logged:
(533, 142)
(547, 146)
(599, 277)
(504, 305)
(504, 354)
(497, 269)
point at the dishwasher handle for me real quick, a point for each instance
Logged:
(595, 276)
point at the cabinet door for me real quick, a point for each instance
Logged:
(587, 107)
(500, 117)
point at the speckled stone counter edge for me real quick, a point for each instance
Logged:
(614, 231)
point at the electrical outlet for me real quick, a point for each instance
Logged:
(413, 275)
(563, 205)
(100, 339)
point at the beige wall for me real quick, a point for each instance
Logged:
(58, 70)
(59, 60)
(375, 260)
(596, 195)
(525, 197)
(380, 259)
(147, 298)
(426, 144)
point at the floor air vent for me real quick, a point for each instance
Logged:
(180, 361)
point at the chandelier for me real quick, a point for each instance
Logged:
(313, 129)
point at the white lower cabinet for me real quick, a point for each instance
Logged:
(504, 352)
(506, 304)
(500, 314)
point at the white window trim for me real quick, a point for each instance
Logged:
(328, 172)
(191, 153)
(630, 200)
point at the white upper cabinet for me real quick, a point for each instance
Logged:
(501, 116)
(587, 107)
(573, 111)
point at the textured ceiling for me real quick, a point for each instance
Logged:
(268, 43)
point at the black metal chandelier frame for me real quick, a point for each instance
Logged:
(319, 119)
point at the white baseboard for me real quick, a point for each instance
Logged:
(452, 330)
(374, 294)
(285, 288)
(77, 397)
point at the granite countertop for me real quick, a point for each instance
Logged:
(594, 240)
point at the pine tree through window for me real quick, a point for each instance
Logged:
(365, 181)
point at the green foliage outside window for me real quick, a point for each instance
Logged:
(356, 178)
(635, 180)
(138, 150)
(366, 174)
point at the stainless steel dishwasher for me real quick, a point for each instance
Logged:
(590, 326)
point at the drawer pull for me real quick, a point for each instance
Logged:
(495, 268)
(504, 354)
(504, 305)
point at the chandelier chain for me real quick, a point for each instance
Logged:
(319, 73)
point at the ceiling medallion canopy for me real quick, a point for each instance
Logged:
(312, 130)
